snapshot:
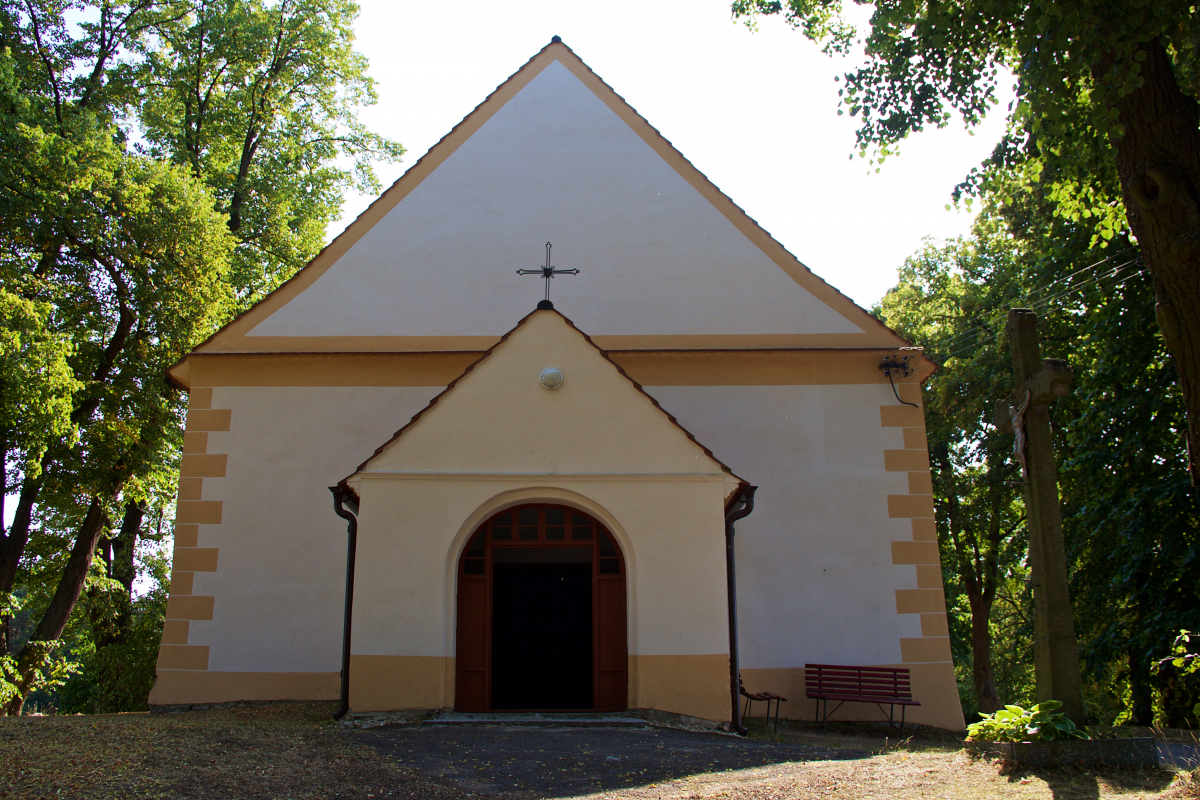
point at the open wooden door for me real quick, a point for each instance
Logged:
(531, 636)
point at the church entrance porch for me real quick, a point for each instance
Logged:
(541, 614)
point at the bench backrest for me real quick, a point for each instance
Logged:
(865, 682)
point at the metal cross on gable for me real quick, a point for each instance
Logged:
(547, 272)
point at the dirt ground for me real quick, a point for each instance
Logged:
(294, 751)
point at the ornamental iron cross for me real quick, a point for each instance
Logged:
(547, 272)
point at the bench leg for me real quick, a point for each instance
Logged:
(828, 713)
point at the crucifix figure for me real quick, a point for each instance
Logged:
(1018, 426)
(547, 272)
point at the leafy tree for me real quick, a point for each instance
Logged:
(258, 100)
(1108, 86)
(162, 164)
(1130, 522)
(118, 675)
(36, 387)
(138, 278)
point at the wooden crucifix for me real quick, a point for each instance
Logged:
(1026, 412)
(547, 272)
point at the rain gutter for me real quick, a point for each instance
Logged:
(345, 505)
(741, 506)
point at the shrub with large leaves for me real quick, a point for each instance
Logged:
(1041, 723)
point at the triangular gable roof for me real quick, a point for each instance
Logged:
(233, 337)
(488, 354)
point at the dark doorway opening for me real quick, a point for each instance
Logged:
(542, 636)
(541, 614)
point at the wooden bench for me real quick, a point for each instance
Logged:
(889, 686)
(759, 697)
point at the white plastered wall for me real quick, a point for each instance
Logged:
(815, 575)
(816, 582)
(280, 583)
(555, 163)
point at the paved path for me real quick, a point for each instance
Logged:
(1173, 754)
(565, 762)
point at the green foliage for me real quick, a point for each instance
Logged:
(1131, 526)
(162, 165)
(1070, 62)
(36, 384)
(1041, 723)
(51, 666)
(1182, 667)
(118, 677)
(138, 275)
(1181, 658)
(259, 100)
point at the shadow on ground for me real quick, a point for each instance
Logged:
(1179, 755)
(1079, 783)
(564, 762)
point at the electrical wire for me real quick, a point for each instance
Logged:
(1097, 282)
(1110, 257)
(954, 348)
(1030, 297)
(1040, 305)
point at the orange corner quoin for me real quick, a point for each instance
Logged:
(532, 501)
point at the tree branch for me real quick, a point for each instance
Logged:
(45, 56)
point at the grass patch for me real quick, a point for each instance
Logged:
(255, 751)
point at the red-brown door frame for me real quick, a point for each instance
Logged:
(610, 670)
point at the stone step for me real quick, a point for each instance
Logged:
(543, 720)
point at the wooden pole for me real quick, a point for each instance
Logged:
(1038, 383)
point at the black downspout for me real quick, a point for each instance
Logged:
(341, 498)
(741, 506)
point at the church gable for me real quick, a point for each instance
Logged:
(666, 260)
(498, 417)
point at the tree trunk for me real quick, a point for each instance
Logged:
(12, 544)
(122, 570)
(12, 547)
(981, 652)
(1158, 160)
(1140, 689)
(55, 618)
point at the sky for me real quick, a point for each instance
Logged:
(757, 112)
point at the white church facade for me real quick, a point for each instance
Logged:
(540, 499)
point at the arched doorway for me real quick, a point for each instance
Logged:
(541, 614)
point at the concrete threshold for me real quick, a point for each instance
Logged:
(537, 720)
